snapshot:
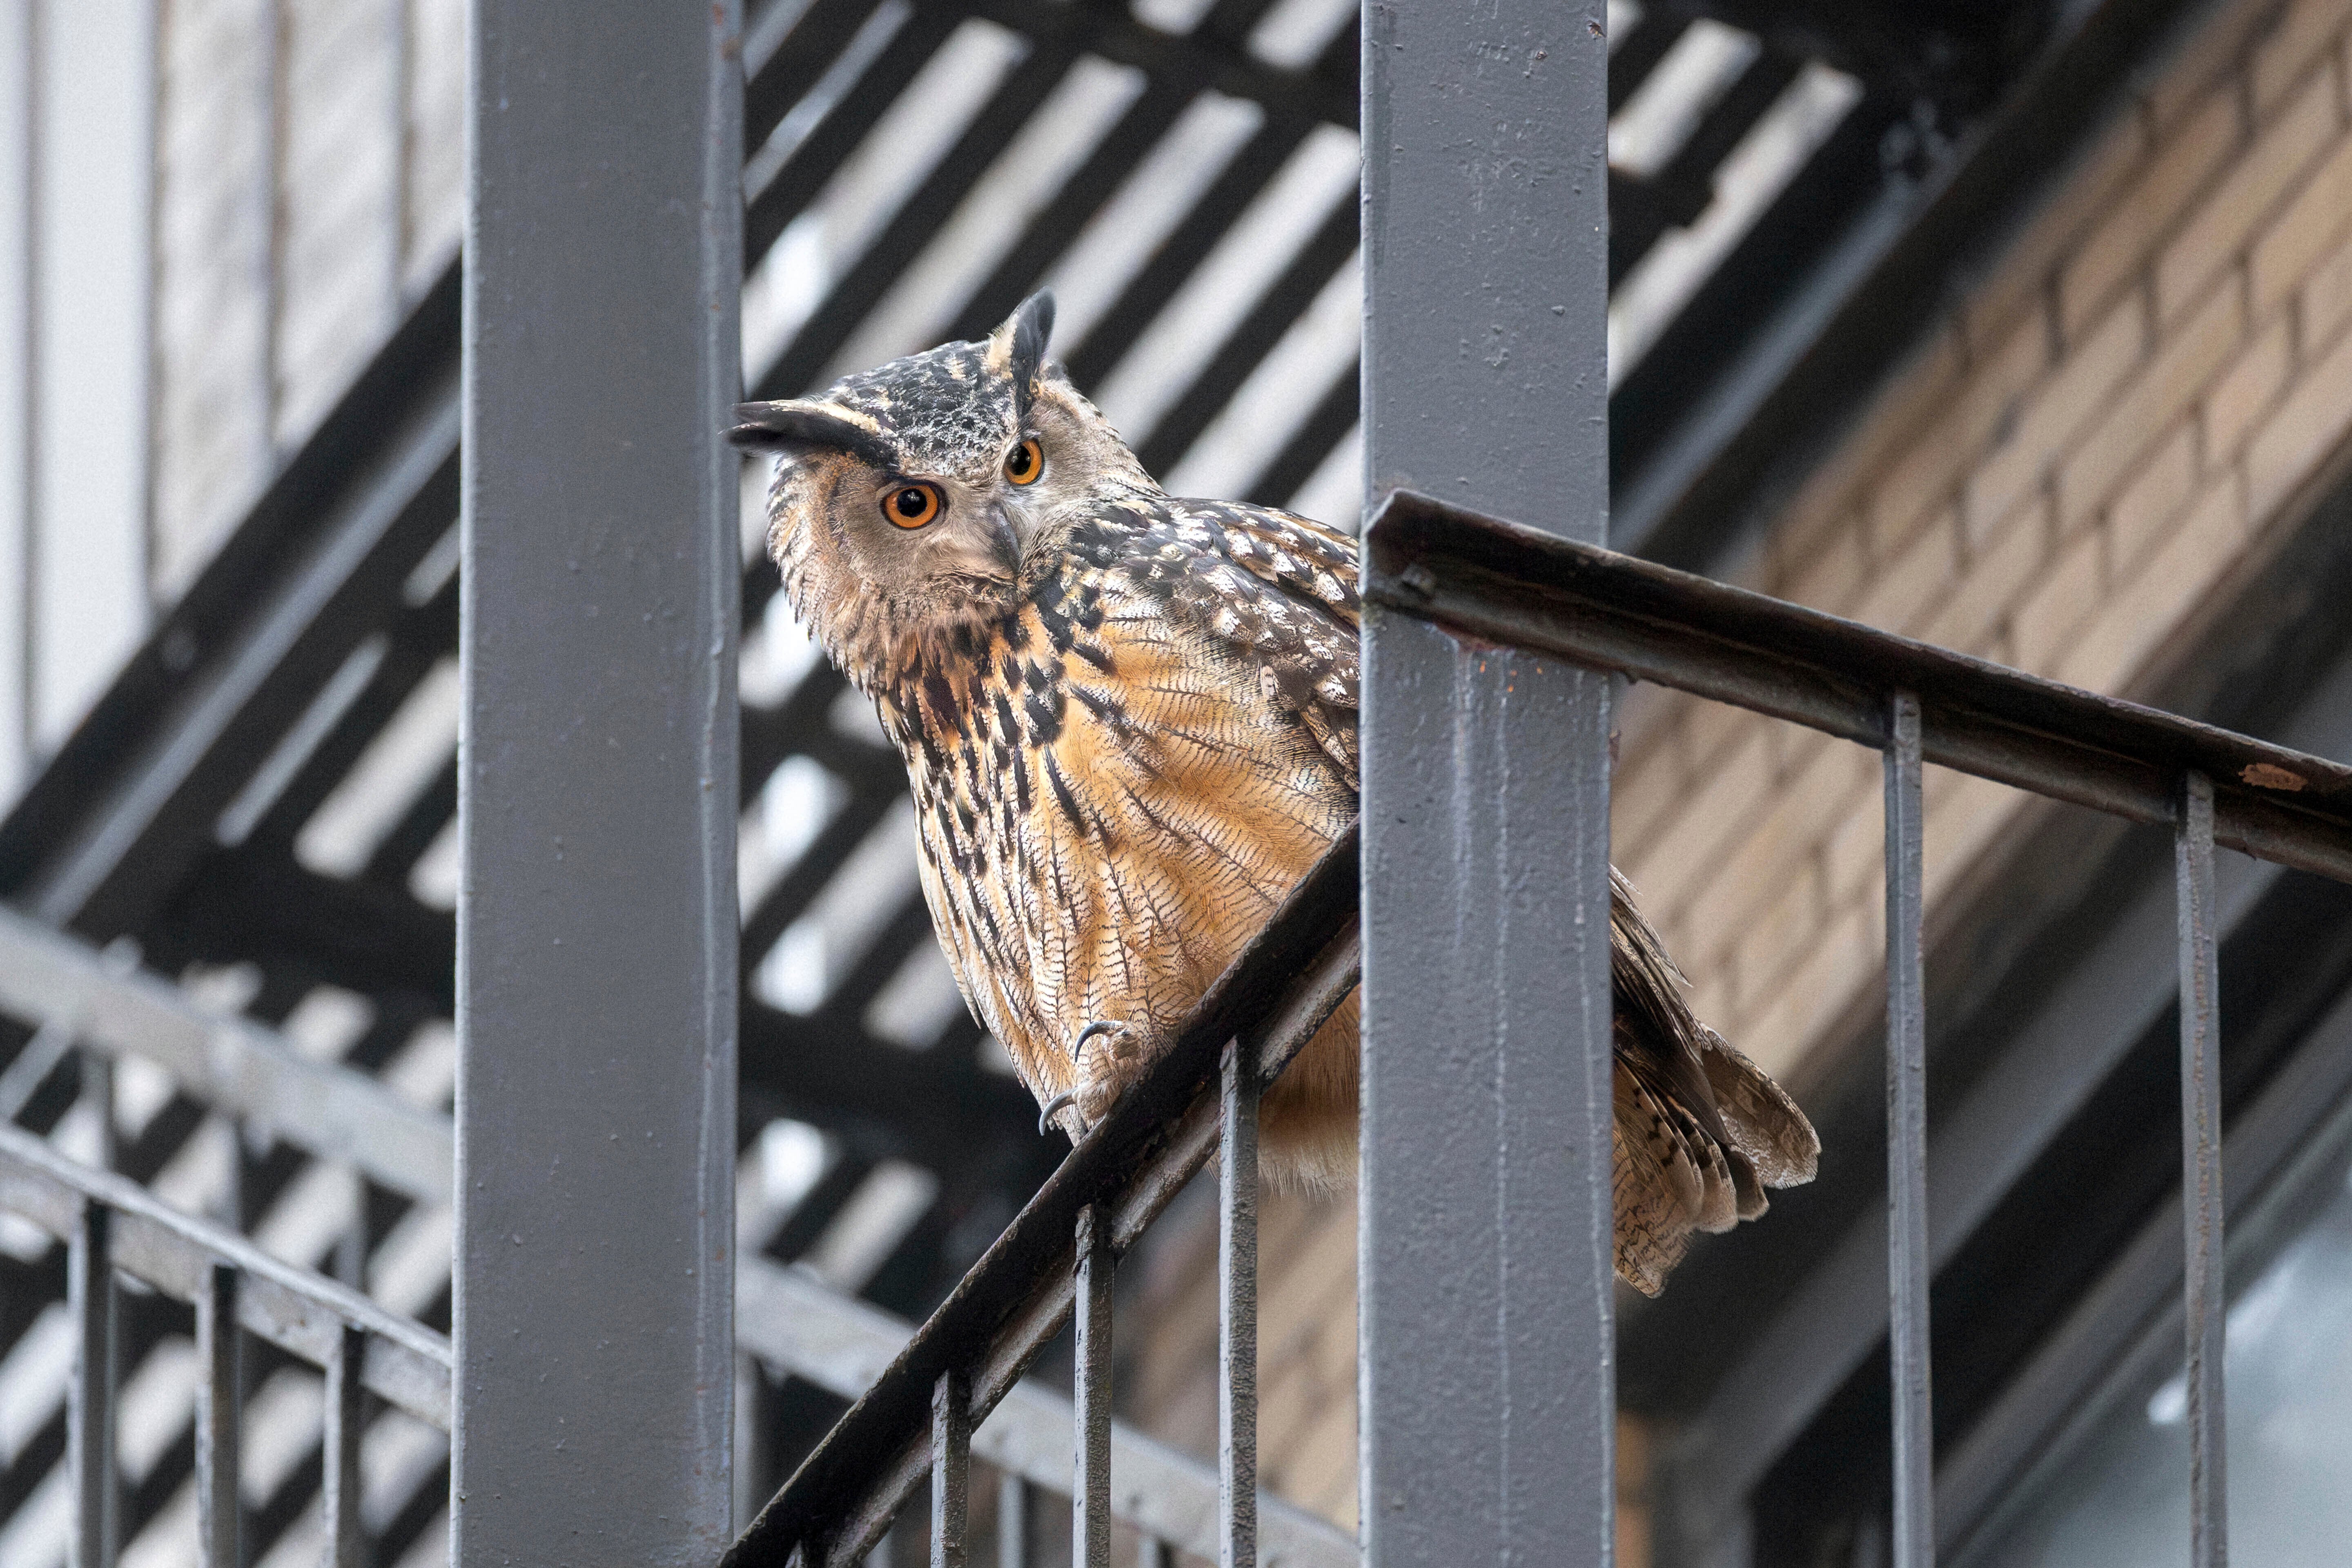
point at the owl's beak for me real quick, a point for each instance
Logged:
(1006, 538)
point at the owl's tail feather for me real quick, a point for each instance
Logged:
(1700, 1131)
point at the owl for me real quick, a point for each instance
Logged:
(1129, 722)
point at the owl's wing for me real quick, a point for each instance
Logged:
(1281, 590)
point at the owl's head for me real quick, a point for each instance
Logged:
(909, 497)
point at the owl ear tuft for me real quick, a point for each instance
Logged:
(798, 426)
(1028, 330)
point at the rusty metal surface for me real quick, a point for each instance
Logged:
(1493, 580)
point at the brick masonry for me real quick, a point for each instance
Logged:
(2090, 447)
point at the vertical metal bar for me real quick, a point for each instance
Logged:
(1012, 1515)
(219, 1417)
(1487, 1371)
(1913, 1524)
(950, 1469)
(2205, 1318)
(1090, 1391)
(339, 1451)
(98, 1094)
(90, 1409)
(1237, 1312)
(596, 919)
(1158, 1554)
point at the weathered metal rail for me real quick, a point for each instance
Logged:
(110, 1225)
(1485, 579)
(806, 1327)
(1061, 1249)
(1488, 579)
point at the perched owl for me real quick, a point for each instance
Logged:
(1129, 724)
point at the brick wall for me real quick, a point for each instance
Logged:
(309, 175)
(2090, 447)
(2093, 444)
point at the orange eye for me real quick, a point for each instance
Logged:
(911, 506)
(1024, 463)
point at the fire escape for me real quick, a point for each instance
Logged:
(232, 964)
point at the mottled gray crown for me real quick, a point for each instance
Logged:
(947, 410)
(942, 411)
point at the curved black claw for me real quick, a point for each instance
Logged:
(1078, 1045)
(1045, 1117)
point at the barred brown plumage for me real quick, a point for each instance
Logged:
(1129, 722)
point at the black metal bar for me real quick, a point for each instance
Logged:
(1913, 1524)
(1803, 360)
(1013, 1530)
(805, 1329)
(1639, 52)
(127, 857)
(1308, 444)
(1641, 210)
(834, 138)
(410, 380)
(1237, 1310)
(1500, 583)
(89, 1408)
(1199, 60)
(1125, 145)
(866, 279)
(2206, 1305)
(600, 562)
(1252, 339)
(340, 1450)
(951, 1469)
(1290, 979)
(780, 64)
(1488, 1416)
(1250, 169)
(219, 1420)
(1090, 1393)
(2121, 1331)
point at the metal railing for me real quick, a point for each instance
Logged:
(103, 1008)
(1498, 583)
(110, 1225)
(1483, 578)
(804, 1327)
(1057, 1261)
(102, 1004)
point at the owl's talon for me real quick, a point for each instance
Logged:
(1078, 1045)
(1045, 1117)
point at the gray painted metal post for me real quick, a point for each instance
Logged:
(596, 960)
(1913, 1529)
(2205, 1306)
(1487, 1382)
(1237, 1309)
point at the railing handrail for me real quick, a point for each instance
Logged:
(294, 1308)
(1501, 582)
(1484, 578)
(802, 1326)
(1282, 987)
(235, 1064)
